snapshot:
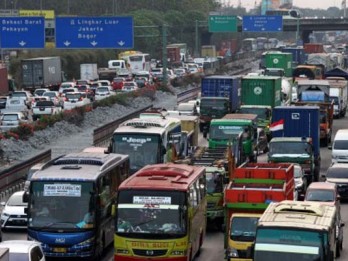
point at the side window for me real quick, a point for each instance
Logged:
(105, 189)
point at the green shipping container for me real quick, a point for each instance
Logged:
(279, 60)
(261, 90)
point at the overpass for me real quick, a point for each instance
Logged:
(306, 27)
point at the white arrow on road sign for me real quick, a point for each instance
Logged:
(22, 43)
(66, 43)
(121, 43)
(94, 43)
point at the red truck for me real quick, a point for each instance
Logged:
(4, 82)
(173, 54)
(252, 187)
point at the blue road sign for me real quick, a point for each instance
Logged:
(94, 32)
(22, 32)
(263, 23)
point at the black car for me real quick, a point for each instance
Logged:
(3, 100)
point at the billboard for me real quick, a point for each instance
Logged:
(275, 4)
(48, 14)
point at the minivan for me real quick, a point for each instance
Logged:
(340, 146)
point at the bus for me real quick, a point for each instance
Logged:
(146, 141)
(161, 213)
(249, 44)
(139, 62)
(295, 230)
(70, 200)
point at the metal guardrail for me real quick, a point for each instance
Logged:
(13, 175)
(103, 134)
(187, 95)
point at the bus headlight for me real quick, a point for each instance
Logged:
(178, 252)
(122, 251)
(231, 252)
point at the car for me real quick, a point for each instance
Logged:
(15, 104)
(10, 120)
(13, 214)
(85, 88)
(130, 86)
(39, 92)
(39, 98)
(75, 99)
(24, 250)
(180, 72)
(54, 96)
(104, 82)
(45, 108)
(337, 173)
(102, 92)
(25, 95)
(65, 91)
(156, 71)
(141, 81)
(82, 82)
(65, 85)
(340, 147)
(117, 83)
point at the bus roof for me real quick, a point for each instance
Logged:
(78, 166)
(298, 214)
(148, 125)
(163, 177)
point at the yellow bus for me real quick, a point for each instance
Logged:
(161, 214)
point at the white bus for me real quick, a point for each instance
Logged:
(70, 201)
(139, 62)
(146, 140)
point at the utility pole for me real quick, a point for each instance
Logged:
(164, 53)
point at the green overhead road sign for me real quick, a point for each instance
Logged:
(222, 23)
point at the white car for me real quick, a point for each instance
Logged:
(54, 96)
(10, 120)
(15, 104)
(104, 82)
(75, 99)
(66, 85)
(129, 86)
(24, 95)
(24, 250)
(39, 92)
(186, 108)
(102, 92)
(13, 214)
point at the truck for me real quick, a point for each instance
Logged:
(295, 230)
(220, 95)
(42, 72)
(183, 50)
(4, 81)
(313, 48)
(235, 127)
(308, 71)
(88, 71)
(313, 90)
(296, 138)
(322, 59)
(298, 55)
(338, 93)
(173, 54)
(107, 74)
(281, 60)
(208, 51)
(252, 187)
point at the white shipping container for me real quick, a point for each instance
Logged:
(88, 71)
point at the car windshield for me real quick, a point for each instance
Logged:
(16, 200)
(337, 173)
(10, 117)
(19, 94)
(340, 145)
(68, 90)
(323, 195)
(71, 96)
(102, 89)
(82, 88)
(39, 92)
(49, 94)
(117, 80)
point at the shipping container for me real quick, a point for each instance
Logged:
(88, 71)
(279, 60)
(298, 54)
(41, 72)
(299, 121)
(4, 84)
(313, 48)
(261, 90)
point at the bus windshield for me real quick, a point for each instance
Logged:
(289, 245)
(50, 201)
(221, 132)
(243, 228)
(151, 214)
(143, 149)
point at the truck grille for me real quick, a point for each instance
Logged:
(146, 252)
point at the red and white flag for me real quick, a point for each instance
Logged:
(277, 125)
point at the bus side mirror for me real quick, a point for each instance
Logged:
(113, 210)
(26, 197)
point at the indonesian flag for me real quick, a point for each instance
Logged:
(277, 125)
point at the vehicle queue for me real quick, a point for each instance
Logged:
(235, 136)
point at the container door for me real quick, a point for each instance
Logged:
(38, 73)
(27, 73)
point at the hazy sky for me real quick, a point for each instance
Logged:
(322, 4)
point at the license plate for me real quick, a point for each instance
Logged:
(42, 109)
(59, 250)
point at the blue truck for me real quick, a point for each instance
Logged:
(220, 95)
(298, 55)
(296, 138)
